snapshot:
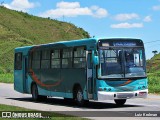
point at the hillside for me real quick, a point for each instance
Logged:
(21, 29)
(153, 65)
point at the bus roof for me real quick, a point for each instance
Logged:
(86, 40)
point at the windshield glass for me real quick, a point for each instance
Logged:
(121, 63)
(134, 66)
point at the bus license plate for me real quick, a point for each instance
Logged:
(142, 93)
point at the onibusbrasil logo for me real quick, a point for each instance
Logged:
(23, 115)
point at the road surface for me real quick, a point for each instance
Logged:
(92, 110)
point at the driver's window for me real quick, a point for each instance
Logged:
(134, 58)
(138, 58)
(129, 56)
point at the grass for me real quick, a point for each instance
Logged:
(23, 110)
(6, 78)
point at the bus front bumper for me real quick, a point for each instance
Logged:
(103, 95)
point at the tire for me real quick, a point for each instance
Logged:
(68, 99)
(78, 97)
(120, 102)
(35, 95)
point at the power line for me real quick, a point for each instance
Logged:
(152, 46)
(151, 41)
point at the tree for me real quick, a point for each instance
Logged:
(154, 52)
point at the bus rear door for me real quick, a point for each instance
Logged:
(20, 72)
(25, 69)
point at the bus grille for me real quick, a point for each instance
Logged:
(125, 95)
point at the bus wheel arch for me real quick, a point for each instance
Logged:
(35, 93)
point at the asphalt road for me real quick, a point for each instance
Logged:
(93, 110)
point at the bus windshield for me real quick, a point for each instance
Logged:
(122, 62)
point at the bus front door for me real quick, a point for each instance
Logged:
(90, 83)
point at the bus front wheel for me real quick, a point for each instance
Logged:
(78, 96)
(120, 102)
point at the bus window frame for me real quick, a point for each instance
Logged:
(70, 57)
(40, 57)
(60, 60)
(84, 57)
(15, 66)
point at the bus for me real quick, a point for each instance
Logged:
(95, 69)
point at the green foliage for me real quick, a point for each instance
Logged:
(21, 29)
(6, 78)
(153, 73)
(154, 82)
(2, 70)
(153, 65)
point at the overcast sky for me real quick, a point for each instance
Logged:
(102, 18)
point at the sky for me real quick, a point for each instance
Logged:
(102, 18)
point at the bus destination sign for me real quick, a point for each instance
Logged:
(124, 44)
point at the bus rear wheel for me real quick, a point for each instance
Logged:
(120, 102)
(35, 95)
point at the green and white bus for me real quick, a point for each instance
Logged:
(88, 69)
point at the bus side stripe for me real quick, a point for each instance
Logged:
(35, 78)
(127, 82)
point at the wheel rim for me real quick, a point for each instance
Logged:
(79, 96)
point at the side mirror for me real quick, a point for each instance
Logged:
(95, 60)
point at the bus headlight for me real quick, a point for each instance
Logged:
(100, 89)
(109, 89)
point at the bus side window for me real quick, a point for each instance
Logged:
(18, 61)
(45, 61)
(67, 58)
(55, 59)
(79, 57)
(36, 59)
